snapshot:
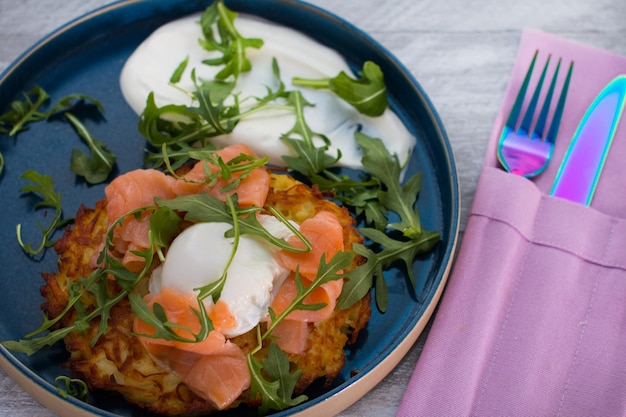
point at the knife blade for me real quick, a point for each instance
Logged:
(580, 170)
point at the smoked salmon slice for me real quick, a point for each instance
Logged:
(325, 234)
(138, 188)
(214, 368)
(252, 190)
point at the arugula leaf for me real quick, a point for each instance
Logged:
(30, 110)
(164, 226)
(326, 272)
(229, 43)
(163, 327)
(169, 124)
(361, 278)
(367, 94)
(276, 391)
(207, 208)
(25, 112)
(214, 112)
(97, 285)
(198, 207)
(70, 101)
(178, 72)
(397, 197)
(178, 131)
(43, 185)
(71, 387)
(310, 159)
(94, 169)
(31, 346)
(236, 169)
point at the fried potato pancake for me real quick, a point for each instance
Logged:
(118, 361)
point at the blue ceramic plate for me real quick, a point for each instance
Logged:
(86, 56)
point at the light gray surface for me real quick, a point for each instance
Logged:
(461, 52)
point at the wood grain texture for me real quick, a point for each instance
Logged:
(460, 52)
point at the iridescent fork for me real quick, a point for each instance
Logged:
(525, 152)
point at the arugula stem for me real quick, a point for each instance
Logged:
(214, 289)
(307, 244)
(84, 133)
(306, 82)
(226, 21)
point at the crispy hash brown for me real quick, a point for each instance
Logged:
(119, 362)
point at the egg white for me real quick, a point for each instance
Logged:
(198, 256)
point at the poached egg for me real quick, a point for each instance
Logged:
(198, 257)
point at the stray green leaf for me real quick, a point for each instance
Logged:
(229, 43)
(326, 272)
(42, 185)
(311, 159)
(362, 278)
(70, 101)
(276, 390)
(97, 167)
(24, 112)
(367, 94)
(178, 73)
(72, 387)
(397, 197)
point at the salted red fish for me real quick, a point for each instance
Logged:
(251, 191)
(138, 188)
(325, 234)
(216, 359)
(215, 369)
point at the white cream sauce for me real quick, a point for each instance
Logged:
(151, 65)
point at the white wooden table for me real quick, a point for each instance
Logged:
(461, 52)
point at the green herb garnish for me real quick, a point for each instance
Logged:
(72, 387)
(229, 43)
(30, 110)
(367, 94)
(24, 112)
(97, 167)
(272, 380)
(276, 389)
(43, 186)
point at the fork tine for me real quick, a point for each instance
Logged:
(541, 121)
(517, 106)
(558, 112)
(530, 111)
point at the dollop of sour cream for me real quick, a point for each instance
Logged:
(198, 257)
(152, 64)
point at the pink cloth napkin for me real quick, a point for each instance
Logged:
(533, 319)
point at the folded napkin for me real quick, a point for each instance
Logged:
(533, 319)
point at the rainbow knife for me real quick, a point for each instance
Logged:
(578, 175)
